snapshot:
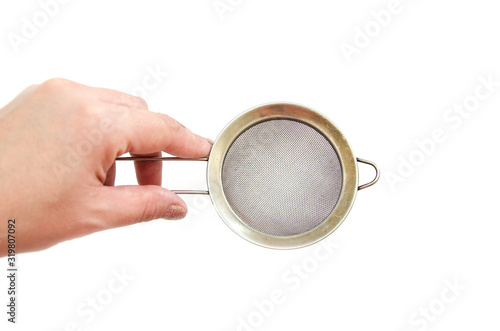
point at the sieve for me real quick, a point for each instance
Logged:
(280, 175)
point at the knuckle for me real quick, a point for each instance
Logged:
(172, 125)
(54, 84)
(53, 87)
(132, 101)
(92, 115)
(141, 102)
(88, 109)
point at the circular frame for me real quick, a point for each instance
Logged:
(291, 112)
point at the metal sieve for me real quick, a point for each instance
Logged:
(280, 175)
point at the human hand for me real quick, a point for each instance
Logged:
(58, 143)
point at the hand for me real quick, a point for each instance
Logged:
(58, 143)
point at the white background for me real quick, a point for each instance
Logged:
(401, 244)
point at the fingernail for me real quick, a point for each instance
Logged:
(210, 141)
(174, 212)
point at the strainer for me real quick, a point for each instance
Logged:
(281, 176)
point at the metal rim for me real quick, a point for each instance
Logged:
(291, 112)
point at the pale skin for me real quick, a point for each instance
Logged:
(58, 143)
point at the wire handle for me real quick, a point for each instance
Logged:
(377, 174)
(167, 158)
(203, 192)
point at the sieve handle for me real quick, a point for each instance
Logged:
(166, 158)
(377, 174)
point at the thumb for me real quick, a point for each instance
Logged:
(125, 205)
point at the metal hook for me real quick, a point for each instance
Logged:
(377, 172)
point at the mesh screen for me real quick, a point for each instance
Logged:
(281, 177)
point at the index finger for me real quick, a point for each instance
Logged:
(150, 132)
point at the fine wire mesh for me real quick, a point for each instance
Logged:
(281, 177)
